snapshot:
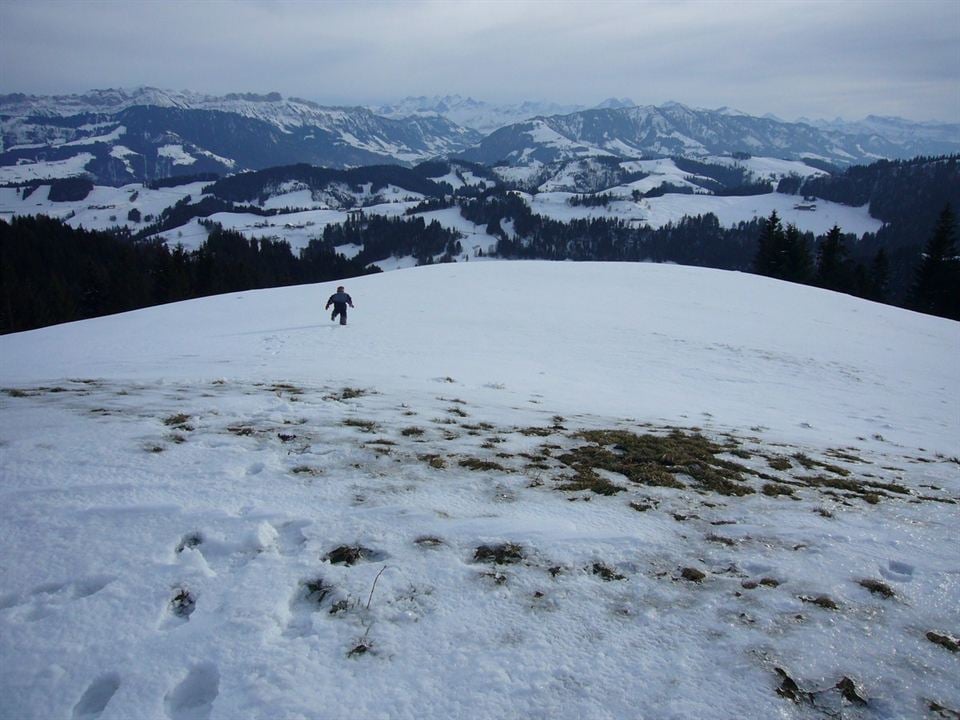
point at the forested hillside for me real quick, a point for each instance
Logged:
(52, 273)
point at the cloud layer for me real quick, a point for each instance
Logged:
(815, 58)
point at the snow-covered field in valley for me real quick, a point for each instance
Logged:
(504, 490)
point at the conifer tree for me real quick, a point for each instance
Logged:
(936, 286)
(797, 264)
(832, 272)
(879, 276)
(769, 259)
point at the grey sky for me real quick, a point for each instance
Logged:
(814, 58)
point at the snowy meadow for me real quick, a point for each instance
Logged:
(505, 489)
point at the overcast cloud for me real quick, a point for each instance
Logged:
(814, 58)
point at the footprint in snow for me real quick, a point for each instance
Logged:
(96, 698)
(45, 599)
(193, 697)
(897, 571)
(291, 538)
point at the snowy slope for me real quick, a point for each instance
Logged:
(176, 479)
(729, 210)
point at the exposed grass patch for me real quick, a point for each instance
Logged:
(280, 388)
(502, 554)
(779, 463)
(868, 491)
(776, 489)
(478, 427)
(16, 392)
(606, 573)
(368, 426)
(588, 479)
(889, 487)
(350, 555)
(454, 410)
(316, 590)
(429, 541)
(841, 454)
(347, 393)
(304, 470)
(412, 432)
(876, 587)
(498, 578)
(811, 464)
(180, 421)
(832, 482)
(434, 461)
(481, 465)
(241, 430)
(361, 648)
(537, 431)
(950, 643)
(658, 460)
(824, 601)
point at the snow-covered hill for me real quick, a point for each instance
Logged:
(307, 211)
(504, 490)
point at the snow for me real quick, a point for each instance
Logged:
(173, 476)
(177, 154)
(104, 208)
(121, 153)
(302, 198)
(226, 162)
(47, 170)
(731, 210)
(458, 178)
(110, 137)
(765, 168)
(299, 228)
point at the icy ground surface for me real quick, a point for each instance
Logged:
(228, 508)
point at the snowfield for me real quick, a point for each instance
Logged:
(512, 489)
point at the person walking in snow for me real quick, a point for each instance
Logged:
(339, 300)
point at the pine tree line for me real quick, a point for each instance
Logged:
(52, 273)
(925, 280)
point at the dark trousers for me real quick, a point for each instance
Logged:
(341, 310)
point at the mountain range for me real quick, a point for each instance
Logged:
(147, 134)
(675, 130)
(122, 136)
(484, 117)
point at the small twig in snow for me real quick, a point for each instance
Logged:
(370, 599)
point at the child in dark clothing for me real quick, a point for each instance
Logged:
(339, 300)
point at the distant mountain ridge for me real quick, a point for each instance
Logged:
(119, 136)
(484, 117)
(674, 129)
(124, 136)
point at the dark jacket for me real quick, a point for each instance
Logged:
(339, 298)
